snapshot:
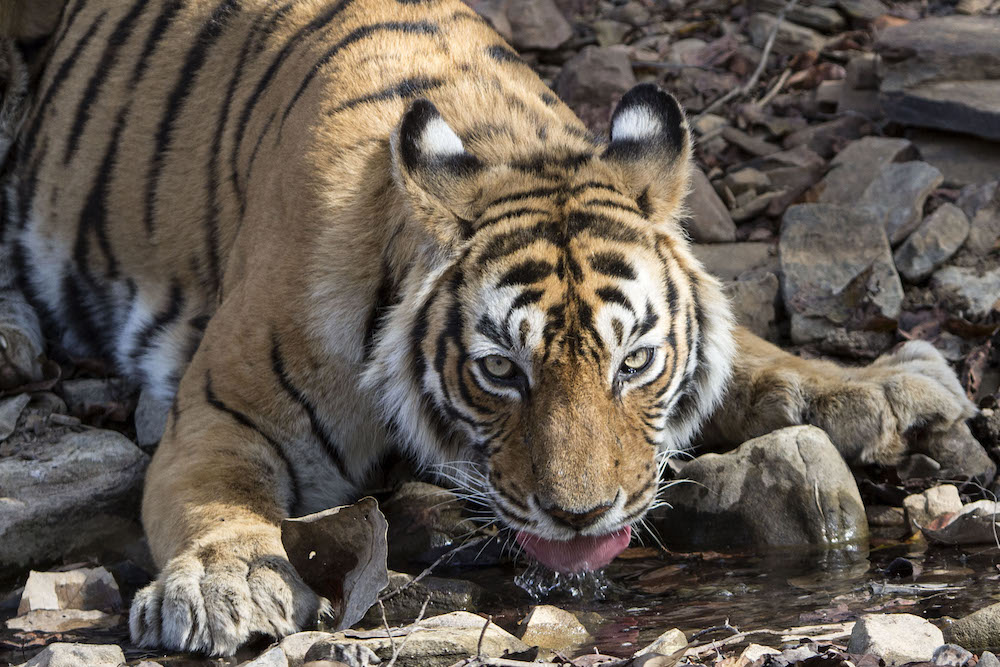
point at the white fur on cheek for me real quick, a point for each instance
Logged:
(439, 139)
(636, 122)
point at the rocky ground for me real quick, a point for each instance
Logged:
(848, 195)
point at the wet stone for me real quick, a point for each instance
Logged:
(553, 628)
(938, 237)
(858, 164)
(897, 196)
(667, 643)
(422, 517)
(922, 508)
(896, 638)
(959, 453)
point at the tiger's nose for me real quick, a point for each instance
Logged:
(579, 520)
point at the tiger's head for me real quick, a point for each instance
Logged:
(565, 339)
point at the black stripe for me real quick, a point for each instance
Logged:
(94, 215)
(527, 272)
(70, 19)
(166, 317)
(319, 431)
(507, 215)
(406, 27)
(487, 327)
(649, 320)
(502, 54)
(117, 39)
(542, 165)
(507, 243)
(78, 315)
(256, 147)
(317, 23)
(405, 88)
(167, 13)
(193, 62)
(610, 294)
(243, 420)
(612, 264)
(603, 227)
(526, 298)
(610, 203)
(385, 297)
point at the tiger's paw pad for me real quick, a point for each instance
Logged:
(214, 600)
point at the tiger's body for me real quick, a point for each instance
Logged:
(324, 228)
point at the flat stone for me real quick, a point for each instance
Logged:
(609, 33)
(826, 139)
(885, 516)
(667, 643)
(789, 487)
(824, 19)
(51, 621)
(977, 292)
(297, 645)
(273, 657)
(728, 261)
(837, 270)
(922, 508)
(443, 595)
(753, 298)
(933, 243)
(10, 410)
(753, 145)
(709, 220)
(745, 179)
(537, 24)
(972, 107)
(896, 638)
(978, 630)
(857, 165)
(686, 51)
(963, 160)
(349, 654)
(552, 628)
(64, 493)
(981, 203)
(593, 80)
(791, 38)
(77, 655)
(863, 11)
(83, 588)
(897, 196)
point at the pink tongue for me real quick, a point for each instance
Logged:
(581, 554)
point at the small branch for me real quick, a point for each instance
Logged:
(388, 631)
(482, 635)
(397, 651)
(430, 568)
(752, 81)
(716, 628)
(775, 89)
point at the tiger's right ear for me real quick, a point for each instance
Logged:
(440, 178)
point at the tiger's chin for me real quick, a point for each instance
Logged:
(579, 554)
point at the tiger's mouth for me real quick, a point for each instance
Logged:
(578, 554)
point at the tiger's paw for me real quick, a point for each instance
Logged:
(871, 413)
(214, 599)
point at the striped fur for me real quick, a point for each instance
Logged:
(310, 224)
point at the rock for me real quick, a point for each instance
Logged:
(789, 487)
(958, 106)
(959, 453)
(987, 659)
(84, 588)
(686, 51)
(537, 24)
(897, 196)
(918, 466)
(148, 663)
(745, 179)
(837, 271)
(592, 81)
(750, 144)
(439, 641)
(922, 508)
(978, 630)
(273, 657)
(297, 645)
(444, 595)
(826, 139)
(963, 160)
(975, 523)
(10, 410)
(755, 206)
(341, 554)
(709, 220)
(634, 13)
(863, 11)
(83, 396)
(755, 652)
(150, 419)
(982, 206)
(495, 13)
(50, 621)
(552, 628)
(753, 298)
(65, 492)
(609, 33)
(896, 638)
(349, 654)
(728, 261)
(422, 517)
(887, 522)
(950, 655)
(975, 291)
(791, 38)
(77, 655)
(708, 122)
(20, 332)
(940, 48)
(933, 243)
(668, 643)
(824, 19)
(857, 165)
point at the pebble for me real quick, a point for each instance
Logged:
(922, 508)
(951, 655)
(553, 628)
(857, 165)
(933, 243)
(667, 643)
(537, 24)
(896, 638)
(897, 195)
(987, 659)
(976, 290)
(978, 630)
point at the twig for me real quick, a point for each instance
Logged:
(392, 642)
(716, 628)
(775, 89)
(430, 568)
(486, 661)
(397, 651)
(752, 81)
(482, 635)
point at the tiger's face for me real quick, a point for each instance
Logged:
(571, 340)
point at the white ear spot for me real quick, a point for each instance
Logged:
(636, 122)
(438, 139)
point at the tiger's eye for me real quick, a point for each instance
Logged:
(637, 360)
(499, 367)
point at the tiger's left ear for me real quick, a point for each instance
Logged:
(651, 145)
(438, 176)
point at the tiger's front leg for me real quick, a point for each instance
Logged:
(866, 411)
(215, 495)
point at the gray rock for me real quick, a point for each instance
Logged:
(753, 145)
(753, 298)
(987, 659)
(789, 487)
(824, 19)
(21, 338)
(297, 645)
(959, 454)
(709, 220)
(609, 33)
(150, 419)
(745, 179)
(686, 51)
(922, 508)
(634, 13)
(537, 24)
(273, 657)
(963, 160)
(951, 655)
(933, 243)
(918, 466)
(442, 596)
(897, 196)
(667, 643)
(10, 410)
(67, 492)
(857, 165)
(976, 292)
(896, 638)
(352, 654)
(728, 261)
(77, 655)
(978, 630)
(495, 13)
(81, 396)
(863, 11)
(837, 271)
(791, 38)
(958, 106)
(941, 48)
(83, 588)
(981, 204)
(825, 139)
(552, 628)
(592, 81)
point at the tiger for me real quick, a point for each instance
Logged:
(325, 230)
